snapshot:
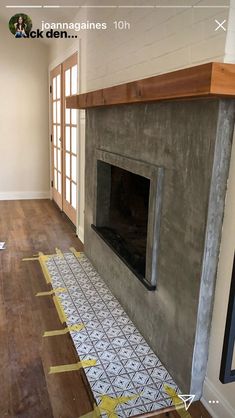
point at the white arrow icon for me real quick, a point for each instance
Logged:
(187, 399)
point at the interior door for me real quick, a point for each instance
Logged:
(70, 152)
(56, 139)
(64, 153)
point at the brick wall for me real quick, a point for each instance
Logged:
(159, 41)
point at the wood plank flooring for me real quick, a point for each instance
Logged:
(26, 389)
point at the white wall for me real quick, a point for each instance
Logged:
(160, 40)
(24, 150)
(229, 55)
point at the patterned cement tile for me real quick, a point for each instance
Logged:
(126, 366)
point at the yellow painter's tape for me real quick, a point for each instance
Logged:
(108, 405)
(59, 253)
(42, 260)
(178, 403)
(71, 328)
(60, 310)
(76, 253)
(51, 292)
(71, 367)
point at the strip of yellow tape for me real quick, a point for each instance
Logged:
(59, 253)
(42, 260)
(51, 292)
(71, 328)
(109, 404)
(60, 310)
(30, 258)
(76, 253)
(178, 403)
(71, 367)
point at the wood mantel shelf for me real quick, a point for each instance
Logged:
(207, 80)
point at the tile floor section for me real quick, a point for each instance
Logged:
(126, 365)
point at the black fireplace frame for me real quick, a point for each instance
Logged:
(102, 185)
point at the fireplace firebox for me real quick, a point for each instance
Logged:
(126, 225)
(126, 191)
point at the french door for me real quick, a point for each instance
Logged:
(64, 82)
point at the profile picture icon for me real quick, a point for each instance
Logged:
(20, 25)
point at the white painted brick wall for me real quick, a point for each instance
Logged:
(160, 40)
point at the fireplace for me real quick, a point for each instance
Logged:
(182, 150)
(176, 154)
(128, 212)
(125, 226)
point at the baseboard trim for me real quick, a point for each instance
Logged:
(24, 195)
(223, 408)
(80, 234)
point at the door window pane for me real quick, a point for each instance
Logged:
(54, 88)
(59, 182)
(67, 82)
(74, 116)
(67, 190)
(67, 138)
(54, 112)
(74, 195)
(58, 137)
(59, 159)
(67, 164)
(74, 140)
(54, 134)
(55, 159)
(55, 179)
(58, 86)
(74, 168)
(67, 116)
(58, 112)
(74, 79)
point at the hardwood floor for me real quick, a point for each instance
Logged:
(26, 389)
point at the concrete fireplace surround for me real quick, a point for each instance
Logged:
(190, 139)
(102, 202)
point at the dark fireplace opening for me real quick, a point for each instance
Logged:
(122, 214)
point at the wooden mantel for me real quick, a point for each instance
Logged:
(207, 80)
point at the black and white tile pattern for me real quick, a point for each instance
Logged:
(126, 365)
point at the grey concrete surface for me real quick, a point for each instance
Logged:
(191, 140)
